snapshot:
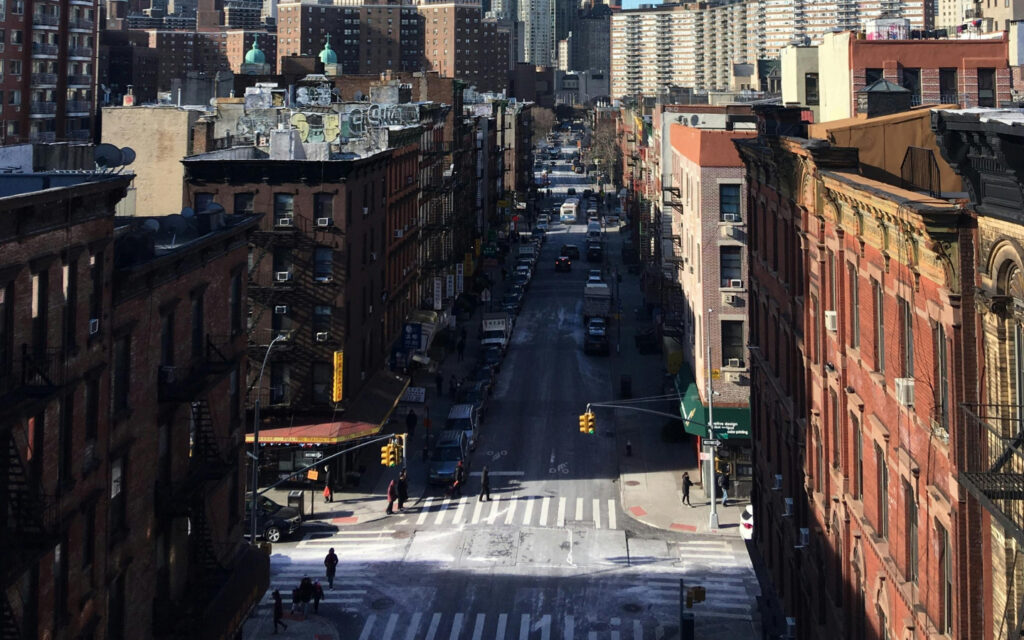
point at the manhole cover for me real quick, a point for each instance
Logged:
(631, 607)
(401, 534)
(632, 483)
(382, 603)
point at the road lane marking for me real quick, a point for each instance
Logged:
(597, 513)
(442, 510)
(638, 630)
(561, 512)
(611, 514)
(528, 514)
(524, 626)
(390, 628)
(478, 630)
(432, 630)
(511, 511)
(544, 505)
(456, 627)
(615, 632)
(579, 509)
(502, 623)
(460, 512)
(424, 511)
(545, 627)
(568, 628)
(494, 511)
(368, 627)
(476, 511)
(414, 626)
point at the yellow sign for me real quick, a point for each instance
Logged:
(339, 371)
(313, 475)
(503, 203)
(716, 374)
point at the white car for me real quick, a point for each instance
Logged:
(597, 327)
(524, 270)
(594, 277)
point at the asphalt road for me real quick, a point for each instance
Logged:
(552, 555)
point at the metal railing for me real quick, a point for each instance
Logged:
(44, 78)
(79, 78)
(80, 52)
(42, 107)
(80, 134)
(993, 461)
(42, 136)
(45, 19)
(80, 23)
(45, 48)
(79, 106)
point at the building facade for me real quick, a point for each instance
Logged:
(458, 42)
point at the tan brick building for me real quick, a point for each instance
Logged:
(458, 42)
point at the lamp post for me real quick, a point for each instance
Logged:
(256, 436)
(713, 522)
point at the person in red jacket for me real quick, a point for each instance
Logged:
(392, 496)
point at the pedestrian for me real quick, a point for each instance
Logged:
(485, 485)
(461, 348)
(687, 483)
(392, 496)
(460, 479)
(278, 611)
(462, 334)
(318, 595)
(427, 423)
(723, 484)
(305, 592)
(439, 383)
(331, 562)
(328, 491)
(403, 488)
(452, 387)
(296, 600)
(410, 422)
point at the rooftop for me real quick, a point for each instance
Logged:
(140, 239)
(18, 184)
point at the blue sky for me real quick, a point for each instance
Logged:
(633, 4)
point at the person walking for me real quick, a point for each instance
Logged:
(410, 422)
(460, 479)
(392, 496)
(318, 595)
(403, 488)
(328, 490)
(723, 485)
(278, 611)
(485, 485)
(687, 483)
(305, 593)
(331, 563)
(439, 383)
(296, 600)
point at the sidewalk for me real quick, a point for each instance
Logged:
(311, 627)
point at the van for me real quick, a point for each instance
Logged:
(465, 417)
(451, 448)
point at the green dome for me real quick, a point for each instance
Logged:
(328, 56)
(254, 55)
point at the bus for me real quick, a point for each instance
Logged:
(570, 210)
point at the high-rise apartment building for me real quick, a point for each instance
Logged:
(591, 40)
(458, 42)
(537, 43)
(368, 38)
(48, 71)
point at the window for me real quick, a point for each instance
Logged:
(729, 202)
(70, 303)
(167, 340)
(280, 376)
(6, 326)
(245, 202)
(117, 498)
(201, 201)
(854, 306)
(116, 608)
(732, 343)
(60, 584)
(949, 90)
(872, 76)
(731, 263)
(282, 261)
(811, 89)
(906, 338)
(233, 399)
(323, 205)
(96, 279)
(879, 309)
(321, 318)
(198, 326)
(833, 281)
(323, 264)
(883, 624)
(66, 436)
(89, 539)
(92, 408)
(911, 540)
(882, 483)
(986, 87)
(858, 458)
(819, 454)
(836, 441)
(942, 377)
(40, 310)
(122, 373)
(945, 579)
(281, 323)
(283, 207)
(235, 304)
(910, 79)
(323, 374)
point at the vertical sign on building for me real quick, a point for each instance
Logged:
(459, 280)
(437, 294)
(450, 285)
(339, 376)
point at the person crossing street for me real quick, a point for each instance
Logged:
(485, 485)
(392, 496)
(331, 563)
(403, 488)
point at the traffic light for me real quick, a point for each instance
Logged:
(400, 447)
(385, 454)
(587, 423)
(392, 454)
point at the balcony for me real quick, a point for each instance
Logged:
(37, 108)
(184, 384)
(80, 79)
(45, 20)
(80, 52)
(44, 49)
(42, 136)
(79, 106)
(79, 134)
(994, 469)
(81, 23)
(43, 79)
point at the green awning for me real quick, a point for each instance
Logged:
(730, 422)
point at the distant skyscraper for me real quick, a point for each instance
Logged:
(538, 40)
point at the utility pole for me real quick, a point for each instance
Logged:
(710, 451)
(255, 455)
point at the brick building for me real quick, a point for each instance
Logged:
(126, 59)
(98, 410)
(859, 331)
(460, 43)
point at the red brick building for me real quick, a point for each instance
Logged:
(458, 42)
(860, 326)
(102, 405)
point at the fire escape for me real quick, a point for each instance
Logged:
(212, 458)
(437, 230)
(673, 302)
(32, 519)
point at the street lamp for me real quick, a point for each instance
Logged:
(256, 435)
(713, 523)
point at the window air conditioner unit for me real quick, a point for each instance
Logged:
(790, 627)
(94, 326)
(730, 217)
(369, 310)
(730, 298)
(286, 221)
(366, 211)
(323, 222)
(777, 485)
(736, 284)
(831, 321)
(735, 362)
(804, 538)
(787, 507)
(321, 336)
(281, 309)
(732, 376)
(373, 256)
(282, 276)
(905, 391)
(399, 233)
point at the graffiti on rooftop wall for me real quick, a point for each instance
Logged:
(317, 127)
(364, 116)
(317, 96)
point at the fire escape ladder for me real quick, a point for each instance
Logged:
(9, 627)
(24, 513)
(205, 448)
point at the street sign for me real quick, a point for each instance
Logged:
(711, 443)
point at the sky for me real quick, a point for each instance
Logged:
(633, 4)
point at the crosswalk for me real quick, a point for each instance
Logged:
(508, 626)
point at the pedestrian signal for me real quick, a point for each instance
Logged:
(385, 455)
(587, 423)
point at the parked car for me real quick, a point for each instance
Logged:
(511, 302)
(483, 376)
(273, 521)
(597, 327)
(466, 417)
(570, 251)
(571, 191)
(563, 263)
(492, 357)
(594, 276)
(452, 447)
(475, 394)
(521, 280)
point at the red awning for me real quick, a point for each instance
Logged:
(323, 433)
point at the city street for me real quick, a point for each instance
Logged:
(555, 553)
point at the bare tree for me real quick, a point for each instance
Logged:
(543, 123)
(604, 151)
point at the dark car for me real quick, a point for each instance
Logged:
(483, 376)
(273, 521)
(563, 263)
(476, 395)
(511, 302)
(492, 358)
(571, 191)
(521, 280)
(570, 251)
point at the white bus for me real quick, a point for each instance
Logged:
(570, 210)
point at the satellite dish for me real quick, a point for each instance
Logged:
(357, 96)
(107, 156)
(151, 225)
(127, 156)
(213, 207)
(175, 223)
(694, 120)
(187, 212)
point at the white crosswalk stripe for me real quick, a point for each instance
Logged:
(510, 510)
(531, 626)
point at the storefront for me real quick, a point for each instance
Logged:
(731, 429)
(285, 450)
